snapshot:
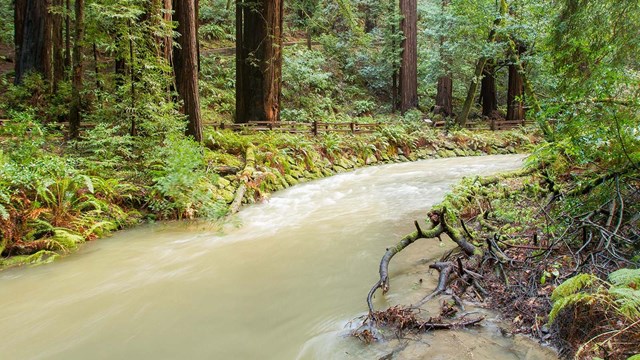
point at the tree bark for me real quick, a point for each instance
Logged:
(185, 60)
(75, 115)
(409, 65)
(19, 14)
(58, 47)
(67, 32)
(488, 91)
(515, 105)
(33, 50)
(258, 60)
(444, 96)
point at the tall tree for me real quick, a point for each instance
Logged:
(185, 64)
(258, 59)
(488, 90)
(482, 61)
(32, 42)
(75, 113)
(57, 44)
(515, 92)
(409, 65)
(444, 94)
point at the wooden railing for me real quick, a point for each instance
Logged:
(492, 124)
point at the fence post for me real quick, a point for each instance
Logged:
(353, 128)
(222, 126)
(314, 128)
(493, 124)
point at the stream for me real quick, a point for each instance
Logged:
(283, 285)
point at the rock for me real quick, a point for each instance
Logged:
(459, 152)
(372, 159)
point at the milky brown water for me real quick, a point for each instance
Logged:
(284, 285)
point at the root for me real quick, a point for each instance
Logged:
(438, 227)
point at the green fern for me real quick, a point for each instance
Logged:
(65, 240)
(573, 286)
(626, 277)
(627, 301)
(569, 300)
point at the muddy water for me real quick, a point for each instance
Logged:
(284, 285)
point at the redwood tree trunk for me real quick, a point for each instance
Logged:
(515, 105)
(444, 96)
(75, 115)
(58, 47)
(33, 38)
(409, 65)
(488, 92)
(185, 61)
(258, 60)
(19, 13)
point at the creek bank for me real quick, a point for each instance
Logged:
(297, 159)
(558, 257)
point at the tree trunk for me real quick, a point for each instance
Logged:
(466, 108)
(409, 65)
(33, 48)
(488, 92)
(48, 43)
(75, 115)
(185, 60)
(515, 105)
(58, 47)
(444, 96)
(19, 14)
(67, 31)
(258, 60)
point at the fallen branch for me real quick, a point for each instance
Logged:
(383, 282)
(437, 217)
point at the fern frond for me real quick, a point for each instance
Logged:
(41, 257)
(627, 301)
(573, 285)
(626, 277)
(65, 240)
(569, 300)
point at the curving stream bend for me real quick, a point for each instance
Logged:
(283, 286)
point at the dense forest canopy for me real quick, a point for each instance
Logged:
(114, 111)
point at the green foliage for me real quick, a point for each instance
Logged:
(6, 23)
(622, 294)
(181, 187)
